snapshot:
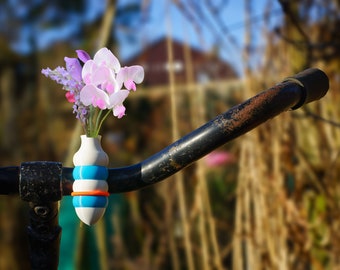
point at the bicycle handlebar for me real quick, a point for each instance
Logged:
(307, 86)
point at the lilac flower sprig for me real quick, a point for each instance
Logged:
(96, 85)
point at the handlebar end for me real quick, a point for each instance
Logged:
(314, 82)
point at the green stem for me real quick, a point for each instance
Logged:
(90, 121)
(98, 121)
(98, 126)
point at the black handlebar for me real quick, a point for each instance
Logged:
(292, 93)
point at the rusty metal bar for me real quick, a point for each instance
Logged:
(292, 93)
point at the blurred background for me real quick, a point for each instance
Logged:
(267, 200)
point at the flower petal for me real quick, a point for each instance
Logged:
(100, 75)
(128, 75)
(83, 56)
(111, 86)
(119, 111)
(70, 97)
(105, 57)
(122, 76)
(118, 98)
(92, 95)
(130, 85)
(73, 67)
(136, 73)
(87, 70)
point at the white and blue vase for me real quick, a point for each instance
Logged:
(90, 188)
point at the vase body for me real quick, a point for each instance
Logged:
(90, 188)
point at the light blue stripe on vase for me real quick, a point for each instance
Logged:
(90, 172)
(90, 201)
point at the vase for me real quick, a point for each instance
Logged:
(90, 188)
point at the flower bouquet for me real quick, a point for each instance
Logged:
(96, 87)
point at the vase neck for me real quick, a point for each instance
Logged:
(91, 140)
(90, 152)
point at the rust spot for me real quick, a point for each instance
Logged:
(172, 152)
(226, 122)
(175, 165)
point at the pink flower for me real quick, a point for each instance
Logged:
(101, 71)
(104, 78)
(219, 158)
(102, 60)
(119, 111)
(129, 76)
(116, 102)
(92, 95)
(70, 97)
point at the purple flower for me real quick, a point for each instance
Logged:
(83, 56)
(74, 68)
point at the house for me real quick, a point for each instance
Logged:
(154, 59)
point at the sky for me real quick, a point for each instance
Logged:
(165, 18)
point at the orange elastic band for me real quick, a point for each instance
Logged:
(90, 193)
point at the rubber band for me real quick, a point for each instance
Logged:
(91, 193)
